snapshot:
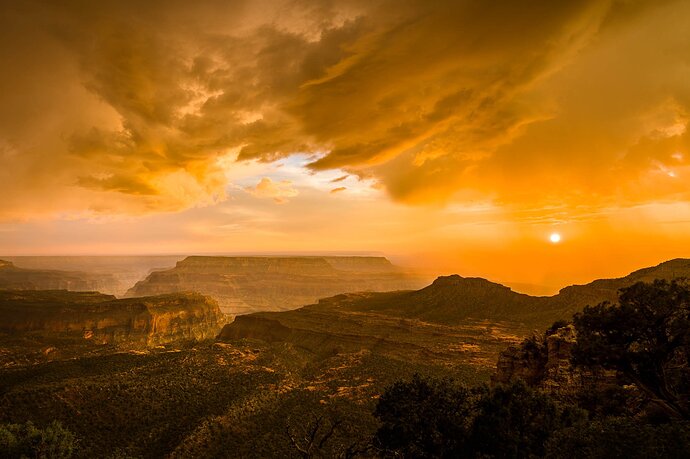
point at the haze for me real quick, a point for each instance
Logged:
(452, 136)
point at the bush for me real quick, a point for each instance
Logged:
(516, 420)
(425, 417)
(436, 418)
(26, 440)
(621, 438)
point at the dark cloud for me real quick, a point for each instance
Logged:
(131, 105)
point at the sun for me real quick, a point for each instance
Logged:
(555, 238)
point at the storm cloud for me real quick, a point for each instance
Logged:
(135, 107)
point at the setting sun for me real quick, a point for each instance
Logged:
(555, 238)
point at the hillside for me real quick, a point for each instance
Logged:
(243, 285)
(575, 297)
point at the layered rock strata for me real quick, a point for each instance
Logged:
(104, 319)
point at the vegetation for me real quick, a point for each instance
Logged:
(437, 418)
(425, 418)
(205, 400)
(620, 437)
(645, 337)
(28, 441)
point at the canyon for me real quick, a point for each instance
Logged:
(166, 376)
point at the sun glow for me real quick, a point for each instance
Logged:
(555, 238)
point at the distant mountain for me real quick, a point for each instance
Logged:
(100, 318)
(243, 285)
(12, 277)
(118, 272)
(575, 297)
(451, 301)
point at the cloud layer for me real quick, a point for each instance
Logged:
(135, 107)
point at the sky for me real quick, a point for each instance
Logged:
(456, 136)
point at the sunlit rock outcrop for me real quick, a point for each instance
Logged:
(102, 318)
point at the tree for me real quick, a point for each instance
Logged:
(620, 437)
(645, 337)
(515, 421)
(436, 418)
(425, 418)
(313, 439)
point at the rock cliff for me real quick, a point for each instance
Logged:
(543, 361)
(102, 318)
(243, 285)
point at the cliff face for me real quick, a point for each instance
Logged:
(104, 319)
(248, 284)
(12, 277)
(543, 361)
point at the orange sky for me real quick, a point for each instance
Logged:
(450, 135)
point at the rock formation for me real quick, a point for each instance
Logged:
(102, 318)
(248, 284)
(543, 361)
(540, 360)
